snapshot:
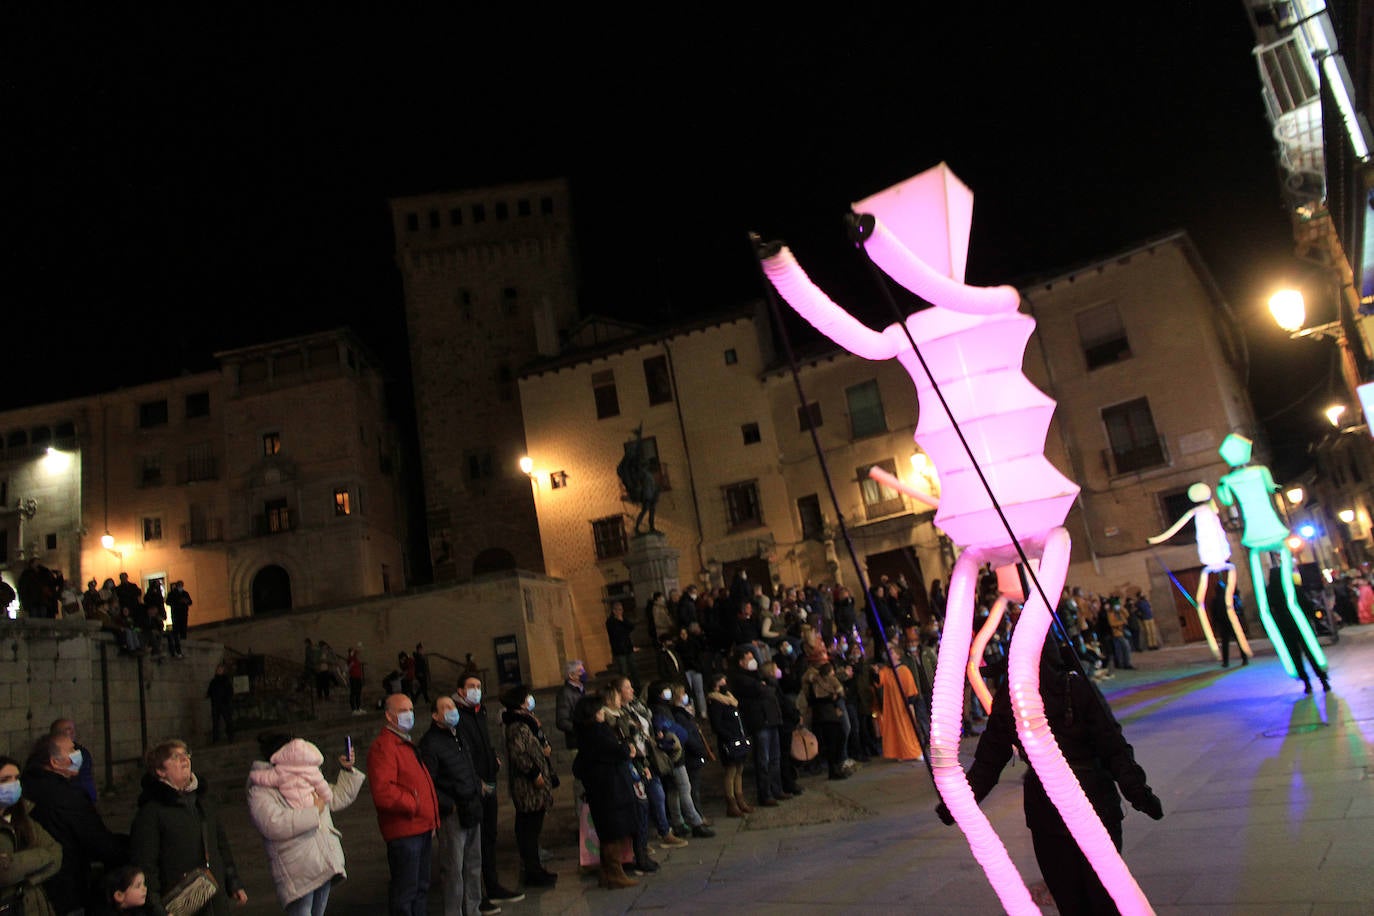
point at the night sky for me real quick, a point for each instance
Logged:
(177, 184)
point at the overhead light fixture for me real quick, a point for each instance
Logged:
(1288, 308)
(526, 465)
(107, 541)
(1294, 495)
(1346, 515)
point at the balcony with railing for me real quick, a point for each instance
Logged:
(202, 531)
(276, 521)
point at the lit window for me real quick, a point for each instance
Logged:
(152, 529)
(1103, 336)
(342, 504)
(608, 536)
(742, 505)
(866, 416)
(603, 390)
(278, 516)
(657, 380)
(879, 500)
(271, 444)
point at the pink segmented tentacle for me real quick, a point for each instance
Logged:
(1033, 728)
(975, 652)
(946, 726)
(897, 261)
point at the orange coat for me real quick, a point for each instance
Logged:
(899, 733)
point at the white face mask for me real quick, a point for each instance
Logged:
(752, 664)
(667, 694)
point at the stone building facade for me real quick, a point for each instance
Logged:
(740, 483)
(1146, 361)
(490, 280)
(266, 484)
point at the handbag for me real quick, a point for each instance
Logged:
(805, 747)
(195, 889)
(736, 749)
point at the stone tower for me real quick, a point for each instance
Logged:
(490, 278)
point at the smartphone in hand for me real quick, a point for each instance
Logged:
(348, 747)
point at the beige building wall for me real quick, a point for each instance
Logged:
(1180, 352)
(489, 278)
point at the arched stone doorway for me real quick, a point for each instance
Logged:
(493, 559)
(271, 590)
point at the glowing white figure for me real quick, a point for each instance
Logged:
(1215, 553)
(973, 341)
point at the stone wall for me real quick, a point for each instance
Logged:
(51, 669)
(450, 620)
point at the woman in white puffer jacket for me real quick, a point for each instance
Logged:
(292, 813)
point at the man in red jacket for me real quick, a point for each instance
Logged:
(407, 807)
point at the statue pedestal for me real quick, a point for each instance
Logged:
(653, 568)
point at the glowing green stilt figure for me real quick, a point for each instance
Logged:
(1250, 486)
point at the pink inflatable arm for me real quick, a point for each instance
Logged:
(888, 480)
(975, 652)
(825, 316)
(897, 261)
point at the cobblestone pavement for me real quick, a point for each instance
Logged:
(1267, 792)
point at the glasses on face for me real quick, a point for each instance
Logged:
(180, 755)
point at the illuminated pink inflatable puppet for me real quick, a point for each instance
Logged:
(972, 342)
(1215, 553)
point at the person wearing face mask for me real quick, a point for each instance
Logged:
(532, 779)
(63, 809)
(407, 807)
(29, 856)
(573, 690)
(177, 830)
(476, 735)
(759, 708)
(460, 808)
(671, 740)
(695, 750)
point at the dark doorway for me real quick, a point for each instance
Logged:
(901, 562)
(493, 559)
(271, 590)
(756, 568)
(1188, 621)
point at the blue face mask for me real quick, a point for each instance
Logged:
(76, 759)
(9, 793)
(451, 718)
(405, 721)
(474, 695)
(529, 703)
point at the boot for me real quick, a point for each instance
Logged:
(739, 793)
(732, 807)
(612, 871)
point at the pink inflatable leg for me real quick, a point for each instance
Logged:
(946, 721)
(1045, 756)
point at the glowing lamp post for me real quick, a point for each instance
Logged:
(1346, 515)
(1288, 309)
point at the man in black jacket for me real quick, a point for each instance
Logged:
(475, 734)
(760, 711)
(1101, 760)
(460, 807)
(573, 690)
(64, 810)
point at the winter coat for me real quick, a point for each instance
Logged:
(725, 721)
(402, 790)
(304, 849)
(476, 736)
(525, 744)
(1088, 735)
(295, 773)
(63, 809)
(621, 636)
(758, 702)
(603, 767)
(456, 782)
(176, 832)
(694, 750)
(30, 867)
(569, 695)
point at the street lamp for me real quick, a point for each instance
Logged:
(1346, 515)
(526, 465)
(1294, 495)
(1333, 414)
(1288, 309)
